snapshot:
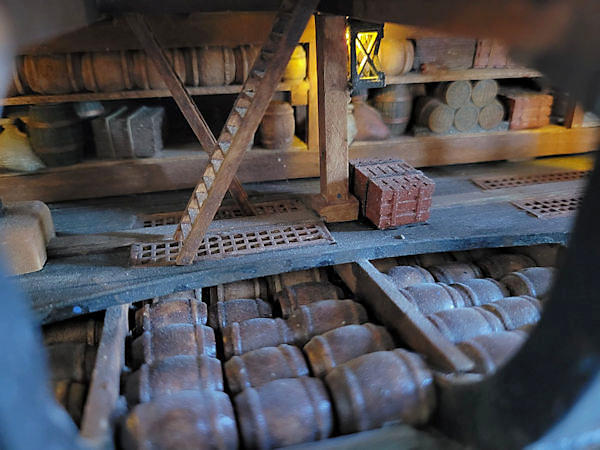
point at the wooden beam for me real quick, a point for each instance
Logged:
(334, 203)
(97, 422)
(574, 115)
(394, 311)
(184, 100)
(239, 129)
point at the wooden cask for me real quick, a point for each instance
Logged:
(516, 312)
(320, 317)
(163, 313)
(381, 387)
(107, 71)
(254, 288)
(50, 74)
(404, 276)
(223, 314)
(465, 117)
(242, 337)
(491, 115)
(454, 272)
(533, 281)
(491, 351)
(496, 266)
(295, 71)
(244, 56)
(479, 291)
(454, 93)
(335, 347)
(288, 279)
(263, 365)
(395, 105)
(183, 420)
(396, 56)
(284, 412)
(434, 114)
(145, 75)
(430, 298)
(293, 297)
(484, 92)
(56, 134)
(277, 127)
(216, 66)
(462, 324)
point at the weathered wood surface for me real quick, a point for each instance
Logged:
(464, 74)
(184, 100)
(394, 311)
(96, 426)
(73, 285)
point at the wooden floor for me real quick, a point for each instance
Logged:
(463, 217)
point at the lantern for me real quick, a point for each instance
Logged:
(363, 45)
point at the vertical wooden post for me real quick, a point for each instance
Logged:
(574, 114)
(334, 203)
(313, 97)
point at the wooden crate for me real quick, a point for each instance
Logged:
(444, 53)
(491, 54)
(527, 109)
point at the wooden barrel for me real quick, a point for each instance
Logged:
(52, 74)
(404, 276)
(496, 266)
(71, 360)
(173, 340)
(254, 288)
(277, 127)
(396, 56)
(381, 387)
(319, 317)
(430, 298)
(490, 116)
(56, 134)
(86, 331)
(244, 59)
(223, 314)
(144, 74)
(18, 84)
(434, 114)
(293, 297)
(454, 93)
(395, 105)
(157, 315)
(484, 92)
(216, 66)
(455, 272)
(479, 291)
(188, 419)
(465, 117)
(284, 412)
(329, 350)
(242, 337)
(462, 324)
(175, 374)
(490, 351)
(107, 71)
(295, 71)
(516, 312)
(533, 281)
(263, 365)
(279, 282)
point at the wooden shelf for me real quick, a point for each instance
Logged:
(178, 168)
(467, 74)
(125, 95)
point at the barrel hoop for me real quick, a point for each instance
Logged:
(419, 394)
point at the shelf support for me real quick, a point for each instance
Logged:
(184, 100)
(334, 203)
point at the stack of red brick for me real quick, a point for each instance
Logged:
(391, 192)
(527, 109)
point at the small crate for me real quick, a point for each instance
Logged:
(527, 109)
(491, 53)
(391, 192)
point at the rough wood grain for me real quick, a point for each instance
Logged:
(104, 389)
(394, 311)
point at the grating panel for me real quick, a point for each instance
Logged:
(551, 206)
(226, 212)
(235, 243)
(508, 181)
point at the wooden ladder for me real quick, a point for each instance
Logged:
(238, 132)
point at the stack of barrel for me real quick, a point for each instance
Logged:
(114, 71)
(460, 106)
(483, 303)
(176, 387)
(71, 349)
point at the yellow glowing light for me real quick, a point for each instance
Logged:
(365, 44)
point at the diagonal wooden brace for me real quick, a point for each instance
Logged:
(184, 101)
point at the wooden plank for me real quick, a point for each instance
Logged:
(334, 203)
(466, 74)
(96, 425)
(186, 104)
(394, 311)
(239, 129)
(313, 98)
